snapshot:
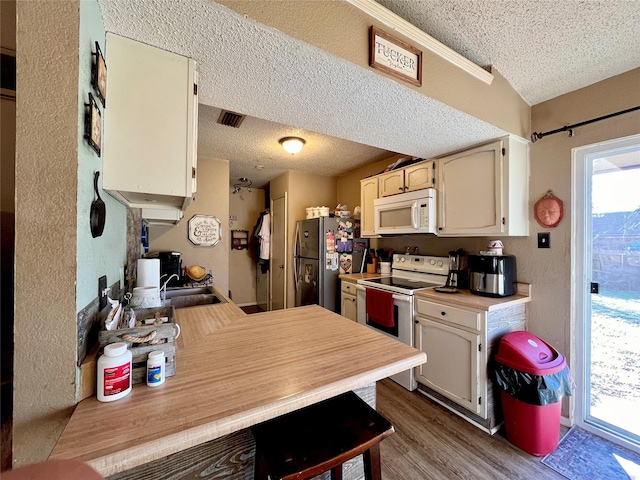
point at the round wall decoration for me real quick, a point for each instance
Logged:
(548, 210)
(204, 230)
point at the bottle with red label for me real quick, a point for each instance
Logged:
(114, 372)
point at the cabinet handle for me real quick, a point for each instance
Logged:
(406, 188)
(401, 189)
(193, 172)
(443, 313)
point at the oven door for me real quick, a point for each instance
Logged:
(403, 316)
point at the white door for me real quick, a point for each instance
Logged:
(278, 264)
(607, 289)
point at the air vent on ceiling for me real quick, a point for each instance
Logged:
(230, 119)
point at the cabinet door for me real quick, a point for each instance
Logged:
(391, 183)
(470, 192)
(349, 309)
(418, 176)
(452, 367)
(368, 193)
(150, 125)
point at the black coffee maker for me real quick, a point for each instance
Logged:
(458, 270)
(170, 264)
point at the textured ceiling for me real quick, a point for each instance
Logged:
(544, 48)
(350, 115)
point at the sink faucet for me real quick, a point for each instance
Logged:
(163, 288)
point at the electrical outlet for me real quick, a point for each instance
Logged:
(102, 296)
(544, 240)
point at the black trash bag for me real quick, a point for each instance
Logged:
(534, 389)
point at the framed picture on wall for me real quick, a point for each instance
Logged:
(99, 75)
(93, 124)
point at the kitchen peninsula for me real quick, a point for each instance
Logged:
(232, 371)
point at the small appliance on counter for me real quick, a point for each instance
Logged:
(458, 275)
(170, 264)
(492, 275)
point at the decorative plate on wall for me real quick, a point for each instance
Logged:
(204, 230)
(549, 210)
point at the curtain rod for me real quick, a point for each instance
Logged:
(535, 136)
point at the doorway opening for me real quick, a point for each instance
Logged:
(606, 289)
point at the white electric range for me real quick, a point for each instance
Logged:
(408, 274)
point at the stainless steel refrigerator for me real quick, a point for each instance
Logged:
(324, 248)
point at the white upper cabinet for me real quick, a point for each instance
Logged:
(150, 125)
(368, 193)
(408, 179)
(485, 190)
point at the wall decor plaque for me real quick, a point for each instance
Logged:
(395, 57)
(93, 124)
(204, 230)
(99, 74)
(549, 210)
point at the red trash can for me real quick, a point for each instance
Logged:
(533, 377)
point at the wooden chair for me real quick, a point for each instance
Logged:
(320, 438)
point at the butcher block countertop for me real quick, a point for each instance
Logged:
(465, 298)
(232, 371)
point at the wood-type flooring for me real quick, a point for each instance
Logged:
(431, 443)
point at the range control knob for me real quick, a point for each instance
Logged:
(432, 261)
(401, 259)
(440, 263)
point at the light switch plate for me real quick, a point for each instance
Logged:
(544, 240)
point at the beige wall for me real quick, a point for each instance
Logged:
(342, 30)
(303, 190)
(46, 196)
(246, 206)
(212, 198)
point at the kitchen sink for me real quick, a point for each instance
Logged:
(191, 296)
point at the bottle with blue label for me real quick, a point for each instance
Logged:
(155, 368)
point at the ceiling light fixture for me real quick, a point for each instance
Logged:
(243, 182)
(292, 144)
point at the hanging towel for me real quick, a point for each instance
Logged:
(265, 232)
(380, 307)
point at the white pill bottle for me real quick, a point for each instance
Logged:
(155, 368)
(114, 372)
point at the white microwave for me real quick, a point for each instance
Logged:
(412, 212)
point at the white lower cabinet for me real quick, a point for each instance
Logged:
(348, 302)
(459, 342)
(452, 362)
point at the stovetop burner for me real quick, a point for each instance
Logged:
(405, 283)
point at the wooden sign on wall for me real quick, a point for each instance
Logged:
(395, 57)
